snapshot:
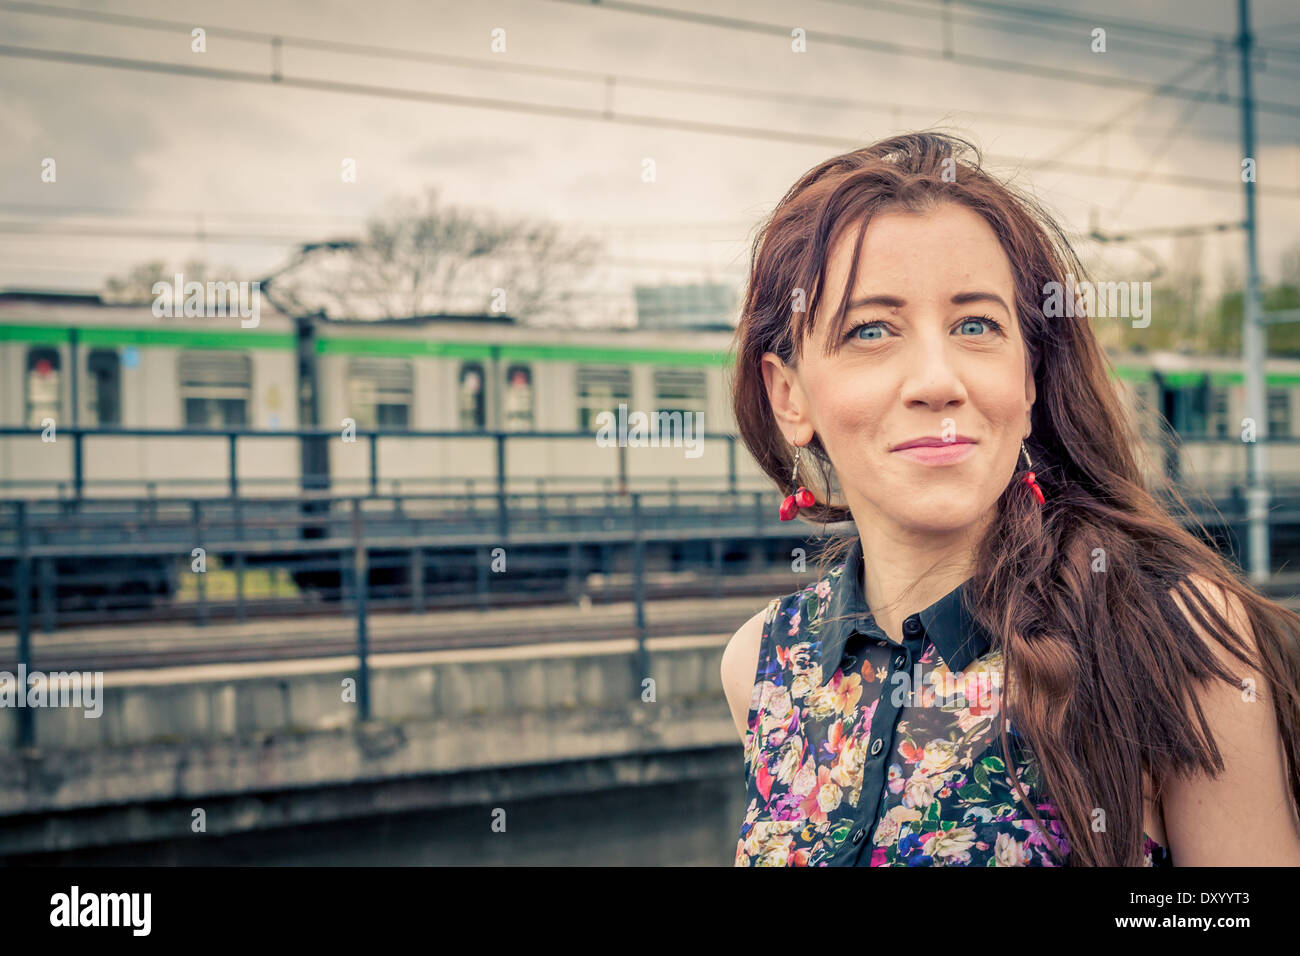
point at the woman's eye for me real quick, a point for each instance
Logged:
(868, 327)
(976, 320)
(872, 331)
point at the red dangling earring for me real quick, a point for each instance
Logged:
(1029, 478)
(801, 498)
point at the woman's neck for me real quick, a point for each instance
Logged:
(902, 577)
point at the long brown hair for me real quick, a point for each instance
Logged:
(1104, 663)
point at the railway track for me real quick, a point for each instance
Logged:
(306, 638)
(301, 639)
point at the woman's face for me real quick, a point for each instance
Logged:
(931, 349)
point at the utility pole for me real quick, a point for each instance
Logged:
(1253, 344)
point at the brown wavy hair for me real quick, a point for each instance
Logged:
(1104, 664)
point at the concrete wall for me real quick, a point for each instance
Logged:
(197, 736)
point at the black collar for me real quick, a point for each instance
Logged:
(957, 636)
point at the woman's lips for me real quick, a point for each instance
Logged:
(946, 454)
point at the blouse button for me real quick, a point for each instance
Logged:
(899, 661)
(857, 836)
(911, 626)
(875, 747)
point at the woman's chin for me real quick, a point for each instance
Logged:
(931, 514)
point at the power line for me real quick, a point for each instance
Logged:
(38, 230)
(1174, 49)
(902, 50)
(23, 230)
(611, 81)
(579, 113)
(1093, 129)
(1093, 20)
(1170, 136)
(78, 210)
(1201, 39)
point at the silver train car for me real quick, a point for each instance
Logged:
(73, 360)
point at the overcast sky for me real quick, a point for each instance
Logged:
(146, 160)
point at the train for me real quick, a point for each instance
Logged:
(76, 360)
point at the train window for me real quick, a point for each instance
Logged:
(519, 398)
(681, 389)
(1186, 408)
(473, 410)
(1279, 413)
(103, 388)
(216, 388)
(600, 389)
(43, 385)
(381, 392)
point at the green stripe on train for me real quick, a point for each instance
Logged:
(367, 345)
(40, 334)
(158, 338)
(353, 345)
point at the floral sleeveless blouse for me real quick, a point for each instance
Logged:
(864, 752)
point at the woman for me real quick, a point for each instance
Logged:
(1023, 658)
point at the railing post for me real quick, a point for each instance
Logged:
(48, 599)
(417, 579)
(78, 476)
(374, 464)
(23, 592)
(234, 464)
(716, 547)
(638, 576)
(361, 584)
(196, 516)
(571, 580)
(731, 463)
(240, 611)
(503, 520)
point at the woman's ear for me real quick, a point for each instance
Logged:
(786, 396)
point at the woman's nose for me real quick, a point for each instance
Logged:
(931, 375)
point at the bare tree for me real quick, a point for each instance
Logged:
(424, 258)
(137, 285)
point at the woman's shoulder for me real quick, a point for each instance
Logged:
(804, 608)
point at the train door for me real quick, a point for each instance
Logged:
(1184, 403)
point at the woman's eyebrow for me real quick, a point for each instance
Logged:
(888, 301)
(896, 302)
(965, 298)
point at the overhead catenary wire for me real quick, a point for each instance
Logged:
(1168, 88)
(1147, 27)
(850, 41)
(1072, 34)
(499, 65)
(587, 113)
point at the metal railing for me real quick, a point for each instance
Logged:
(193, 559)
(76, 483)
